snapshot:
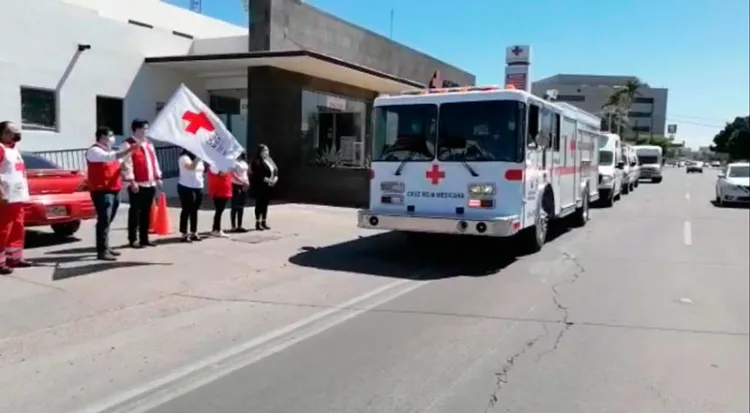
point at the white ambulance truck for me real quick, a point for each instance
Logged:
(483, 160)
(650, 160)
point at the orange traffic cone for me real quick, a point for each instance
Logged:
(162, 226)
(152, 219)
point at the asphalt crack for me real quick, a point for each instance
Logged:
(565, 320)
(501, 377)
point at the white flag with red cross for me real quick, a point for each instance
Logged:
(187, 122)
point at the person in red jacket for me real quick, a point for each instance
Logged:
(220, 189)
(142, 175)
(105, 183)
(14, 193)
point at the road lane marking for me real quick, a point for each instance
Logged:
(687, 233)
(192, 376)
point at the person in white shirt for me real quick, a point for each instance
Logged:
(190, 190)
(240, 185)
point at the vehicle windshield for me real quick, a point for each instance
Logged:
(404, 132)
(647, 159)
(37, 162)
(739, 172)
(479, 131)
(606, 157)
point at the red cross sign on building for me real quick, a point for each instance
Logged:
(435, 174)
(197, 121)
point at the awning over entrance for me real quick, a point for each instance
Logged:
(301, 61)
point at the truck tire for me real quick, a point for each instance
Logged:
(532, 239)
(609, 201)
(581, 216)
(625, 189)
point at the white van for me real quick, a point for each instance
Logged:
(650, 160)
(631, 170)
(610, 168)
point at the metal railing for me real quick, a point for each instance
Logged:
(75, 159)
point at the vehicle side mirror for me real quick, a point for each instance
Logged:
(620, 165)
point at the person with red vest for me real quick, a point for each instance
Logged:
(14, 193)
(142, 176)
(105, 183)
(220, 190)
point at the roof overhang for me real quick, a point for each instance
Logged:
(300, 61)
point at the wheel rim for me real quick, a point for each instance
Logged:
(541, 227)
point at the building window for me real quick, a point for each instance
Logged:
(645, 128)
(571, 98)
(109, 113)
(38, 109)
(333, 130)
(634, 114)
(641, 99)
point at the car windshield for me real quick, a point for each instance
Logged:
(32, 161)
(404, 132)
(479, 131)
(647, 159)
(739, 172)
(606, 157)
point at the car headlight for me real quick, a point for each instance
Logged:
(393, 187)
(607, 179)
(481, 189)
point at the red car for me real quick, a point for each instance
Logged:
(59, 197)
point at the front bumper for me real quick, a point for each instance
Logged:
(649, 173)
(494, 227)
(735, 196)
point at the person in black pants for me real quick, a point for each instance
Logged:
(190, 190)
(265, 175)
(142, 174)
(240, 185)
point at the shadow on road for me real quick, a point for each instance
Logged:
(40, 239)
(88, 265)
(730, 205)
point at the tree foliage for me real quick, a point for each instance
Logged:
(734, 139)
(618, 105)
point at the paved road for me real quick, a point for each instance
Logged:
(643, 310)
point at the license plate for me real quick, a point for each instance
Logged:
(56, 211)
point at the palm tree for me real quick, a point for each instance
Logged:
(615, 112)
(627, 94)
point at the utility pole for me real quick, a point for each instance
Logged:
(390, 32)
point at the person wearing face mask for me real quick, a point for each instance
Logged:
(142, 174)
(105, 183)
(264, 177)
(14, 193)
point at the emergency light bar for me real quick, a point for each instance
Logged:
(456, 90)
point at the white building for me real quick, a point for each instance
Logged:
(301, 81)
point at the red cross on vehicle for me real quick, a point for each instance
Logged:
(517, 50)
(435, 174)
(196, 122)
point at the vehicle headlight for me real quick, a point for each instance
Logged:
(393, 187)
(607, 179)
(482, 189)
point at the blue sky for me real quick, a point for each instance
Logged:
(699, 49)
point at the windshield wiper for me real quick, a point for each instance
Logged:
(403, 163)
(470, 169)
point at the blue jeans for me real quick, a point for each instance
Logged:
(106, 204)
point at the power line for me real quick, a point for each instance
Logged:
(707, 125)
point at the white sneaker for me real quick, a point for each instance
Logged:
(219, 234)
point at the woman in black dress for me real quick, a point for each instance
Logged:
(265, 175)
